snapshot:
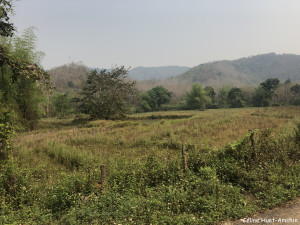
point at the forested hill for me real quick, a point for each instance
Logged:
(244, 71)
(69, 76)
(249, 71)
(162, 72)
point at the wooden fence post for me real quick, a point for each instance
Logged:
(103, 175)
(253, 145)
(184, 159)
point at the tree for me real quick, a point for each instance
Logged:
(296, 94)
(105, 94)
(22, 79)
(197, 98)
(264, 92)
(295, 89)
(269, 86)
(6, 28)
(223, 97)
(236, 98)
(212, 95)
(63, 104)
(154, 98)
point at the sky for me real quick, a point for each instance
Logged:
(105, 33)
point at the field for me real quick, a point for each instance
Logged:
(54, 174)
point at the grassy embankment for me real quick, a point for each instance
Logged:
(51, 176)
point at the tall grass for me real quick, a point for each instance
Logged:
(52, 173)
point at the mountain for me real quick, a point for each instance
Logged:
(248, 71)
(162, 72)
(243, 72)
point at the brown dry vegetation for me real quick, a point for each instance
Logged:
(53, 176)
(103, 141)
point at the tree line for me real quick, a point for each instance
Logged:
(110, 95)
(26, 92)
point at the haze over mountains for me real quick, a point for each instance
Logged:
(245, 71)
(162, 72)
(248, 71)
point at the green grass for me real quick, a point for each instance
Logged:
(51, 174)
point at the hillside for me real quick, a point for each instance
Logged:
(248, 71)
(245, 71)
(69, 76)
(162, 72)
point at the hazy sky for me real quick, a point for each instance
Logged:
(103, 33)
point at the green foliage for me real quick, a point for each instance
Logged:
(6, 132)
(21, 79)
(296, 89)
(63, 104)
(6, 28)
(197, 97)
(236, 98)
(154, 98)
(105, 94)
(263, 94)
(260, 98)
(222, 97)
(296, 94)
(269, 86)
(212, 94)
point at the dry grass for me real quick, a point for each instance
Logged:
(54, 149)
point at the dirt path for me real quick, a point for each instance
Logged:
(286, 214)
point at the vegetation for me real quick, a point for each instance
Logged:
(236, 98)
(6, 28)
(154, 98)
(21, 80)
(50, 174)
(105, 93)
(197, 97)
(53, 176)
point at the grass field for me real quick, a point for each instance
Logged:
(51, 175)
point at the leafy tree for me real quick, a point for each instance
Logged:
(236, 98)
(296, 94)
(212, 95)
(197, 97)
(22, 79)
(154, 98)
(63, 104)
(269, 86)
(223, 97)
(210, 92)
(6, 28)
(105, 94)
(260, 98)
(295, 89)
(264, 92)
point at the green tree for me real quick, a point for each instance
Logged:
(264, 93)
(296, 94)
(236, 98)
(295, 89)
(154, 98)
(270, 85)
(21, 78)
(6, 28)
(212, 95)
(63, 104)
(222, 97)
(197, 97)
(105, 94)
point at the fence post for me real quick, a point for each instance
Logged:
(253, 145)
(103, 175)
(184, 160)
